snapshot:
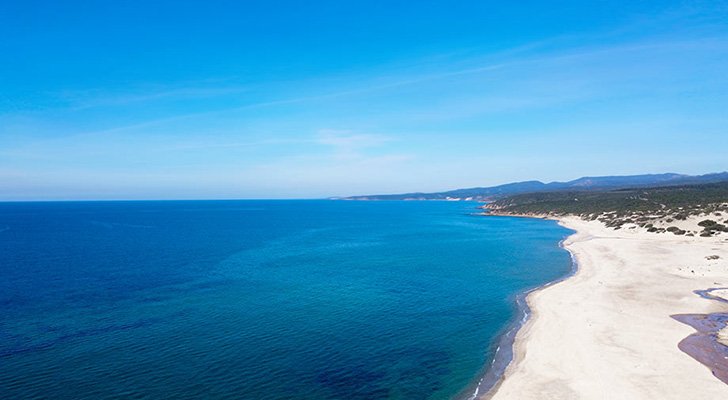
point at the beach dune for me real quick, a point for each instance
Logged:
(607, 332)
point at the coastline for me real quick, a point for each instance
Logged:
(505, 341)
(606, 330)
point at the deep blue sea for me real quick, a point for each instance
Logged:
(259, 299)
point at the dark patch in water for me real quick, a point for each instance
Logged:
(354, 383)
(76, 335)
(419, 375)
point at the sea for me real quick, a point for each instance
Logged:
(258, 299)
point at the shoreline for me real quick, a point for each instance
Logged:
(548, 363)
(505, 341)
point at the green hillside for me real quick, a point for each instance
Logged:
(618, 207)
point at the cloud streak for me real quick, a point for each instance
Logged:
(534, 62)
(348, 144)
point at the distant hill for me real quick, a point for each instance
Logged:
(601, 183)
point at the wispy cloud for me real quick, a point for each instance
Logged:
(347, 143)
(91, 99)
(207, 145)
(517, 61)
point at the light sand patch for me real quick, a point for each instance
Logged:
(723, 336)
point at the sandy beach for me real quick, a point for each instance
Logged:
(608, 331)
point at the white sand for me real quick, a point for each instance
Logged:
(723, 336)
(606, 332)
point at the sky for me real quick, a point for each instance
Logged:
(309, 99)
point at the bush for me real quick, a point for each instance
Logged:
(716, 227)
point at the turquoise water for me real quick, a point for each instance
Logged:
(259, 299)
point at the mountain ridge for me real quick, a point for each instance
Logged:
(587, 183)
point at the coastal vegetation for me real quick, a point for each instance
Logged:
(657, 209)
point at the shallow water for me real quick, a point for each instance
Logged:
(259, 299)
(704, 345)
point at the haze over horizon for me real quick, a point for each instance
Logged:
(174, 100)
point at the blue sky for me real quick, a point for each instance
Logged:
(314, 99)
